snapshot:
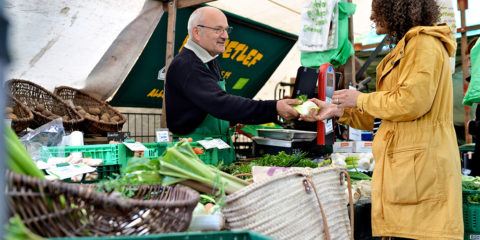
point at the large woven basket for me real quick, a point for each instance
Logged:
(23, 116)
(299, 204)
(92, 124)
(57, 209)
(33, 95)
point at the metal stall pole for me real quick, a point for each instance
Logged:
(3, 156)
(462, 6)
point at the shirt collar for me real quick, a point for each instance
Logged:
(199, 51)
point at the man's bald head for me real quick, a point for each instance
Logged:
(208, 27)
(198, 15)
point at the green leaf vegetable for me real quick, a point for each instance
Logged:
(357, 176)
(470, 183)
(142, 171)
(181, 163)
(474, 199)
(18, 159)
(15, 229)
(282, 159)
(139, 171)
(306, 106)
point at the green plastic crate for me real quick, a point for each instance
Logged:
(104, 172)
(111, 154)
(209, 156)
(182, 236)
(471, 213)
(162, 147)
(115, 157)
(153, 151)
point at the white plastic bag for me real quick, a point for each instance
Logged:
(319, 26)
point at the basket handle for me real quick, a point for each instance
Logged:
(325, 226)
(350, 200)
(307, 188)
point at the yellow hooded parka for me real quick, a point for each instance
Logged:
(416, 184)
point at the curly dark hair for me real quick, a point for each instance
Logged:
(398, 16)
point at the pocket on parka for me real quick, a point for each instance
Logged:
(400, 184)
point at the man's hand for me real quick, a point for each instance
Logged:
(285, 110)
(326, 111)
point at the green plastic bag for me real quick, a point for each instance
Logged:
(338, 56)
(473, 92)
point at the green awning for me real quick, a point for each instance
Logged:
(252, 54)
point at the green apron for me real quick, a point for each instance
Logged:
(212, 127)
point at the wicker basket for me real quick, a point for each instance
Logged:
(23, 115)
(56, 209)
(298, 204)
(33, 95)
(92, 124)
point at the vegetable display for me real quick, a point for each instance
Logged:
(139, 171)
(180, 163)
(470, 183)
(362, 161)
(280, 160)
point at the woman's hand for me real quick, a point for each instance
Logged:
(326, 111)
(345, 98)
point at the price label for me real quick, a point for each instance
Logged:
(136, 146)
(162, 135)
(214, 143)
(118, 136)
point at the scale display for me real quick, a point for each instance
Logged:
(326, 87)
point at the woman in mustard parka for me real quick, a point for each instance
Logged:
(416, 184)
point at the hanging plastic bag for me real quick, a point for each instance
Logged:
(337, 56)
(319, 26)
(49, 134)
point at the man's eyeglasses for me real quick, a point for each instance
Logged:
(218, 30)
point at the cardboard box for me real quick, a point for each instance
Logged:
(362, 146)
(343, 147)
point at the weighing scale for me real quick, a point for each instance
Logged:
(301, 139)
(307, 83)
(326, 83)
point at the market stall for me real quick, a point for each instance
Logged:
(300, 183)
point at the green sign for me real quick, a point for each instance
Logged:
(252, 54)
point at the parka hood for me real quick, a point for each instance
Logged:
(441, 32)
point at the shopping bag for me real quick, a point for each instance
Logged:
(298, 204)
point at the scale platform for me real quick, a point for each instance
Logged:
(290, 141)
(287, 134)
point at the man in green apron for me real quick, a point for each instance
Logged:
(197, 105)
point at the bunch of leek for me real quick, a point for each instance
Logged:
(18, 159)
(180, 163)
